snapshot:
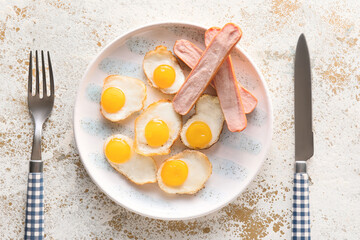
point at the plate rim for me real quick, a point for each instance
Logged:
(267, 141)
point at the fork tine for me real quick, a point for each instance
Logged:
(44, 74)
(30, 76)
(52, 89)
(37, 75)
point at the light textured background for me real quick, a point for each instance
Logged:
(75, 31)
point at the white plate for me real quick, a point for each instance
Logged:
(236, 158)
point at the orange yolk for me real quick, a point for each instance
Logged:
(117, 150)
(112, 99)
(164, 76)
(198, 134)
(174, 173)
(156, 132)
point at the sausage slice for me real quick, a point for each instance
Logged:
(206, 68)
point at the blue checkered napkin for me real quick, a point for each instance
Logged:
(301, 208)
(34, 222)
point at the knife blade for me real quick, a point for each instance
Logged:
(304, 143)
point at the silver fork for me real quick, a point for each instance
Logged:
(40, 108)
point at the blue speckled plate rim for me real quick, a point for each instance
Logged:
(267, 142)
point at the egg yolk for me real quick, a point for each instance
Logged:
(164, 76)
(174, 173)
(112, 99)
(198, 134)
(118, 150)
(156, 132)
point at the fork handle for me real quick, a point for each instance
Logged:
(301, 207)
(34, 222)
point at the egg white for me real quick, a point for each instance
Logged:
(161, 56)
(135, 95)
(138, 169)
(199, 171)
(207, 110)
(164, 111)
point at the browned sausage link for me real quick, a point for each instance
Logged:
(208, 65)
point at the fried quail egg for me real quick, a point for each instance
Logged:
(121, 156)
(156, 129)
(121, 96)
(163, 70)
(203, 128)
(184, 173)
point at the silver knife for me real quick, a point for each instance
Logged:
(304, 143)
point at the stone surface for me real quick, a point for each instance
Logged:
(75, 32)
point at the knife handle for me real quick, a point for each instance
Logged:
(301, 208)
(34, 221)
